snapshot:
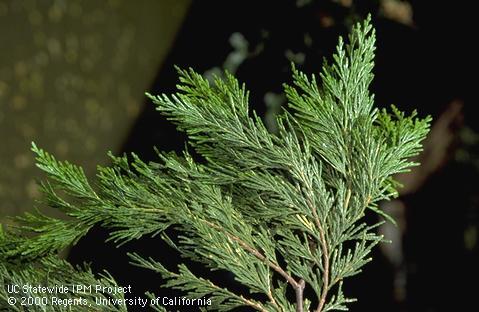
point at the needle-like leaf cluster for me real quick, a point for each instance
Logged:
(282, 212)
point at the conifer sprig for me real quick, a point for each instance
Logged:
(58, 275)
(280, 211)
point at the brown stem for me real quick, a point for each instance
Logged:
(272, 300)
(253, 304)
(323, 245)
(325, 250)
(258, 255)
(299, 295)
(248, 302)
(298, 286)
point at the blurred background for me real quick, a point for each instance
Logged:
(73, 76)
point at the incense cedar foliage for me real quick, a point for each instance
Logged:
(282, 212)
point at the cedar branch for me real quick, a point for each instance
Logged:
(298, 286)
